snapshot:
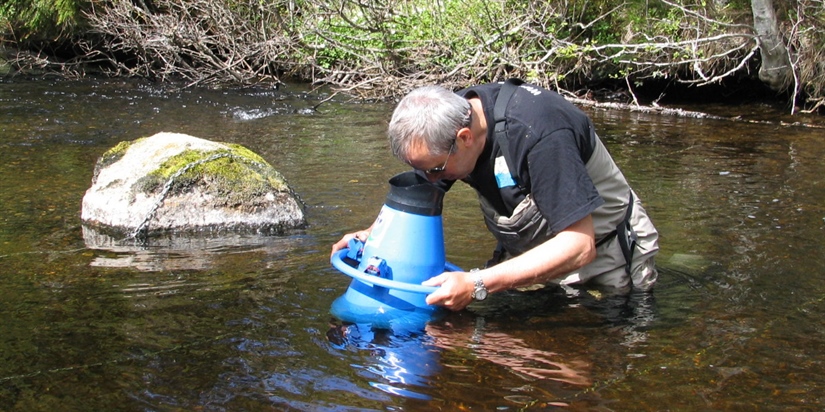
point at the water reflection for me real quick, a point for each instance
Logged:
(399, 360)
(172, 252)
(534, 336)
(510, 352)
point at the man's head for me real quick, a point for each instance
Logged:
(426, 123)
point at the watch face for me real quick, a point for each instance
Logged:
(480, 294)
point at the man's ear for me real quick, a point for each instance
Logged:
(465, 136)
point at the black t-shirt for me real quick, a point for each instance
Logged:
(550, 140)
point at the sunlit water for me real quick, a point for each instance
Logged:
(243, 323)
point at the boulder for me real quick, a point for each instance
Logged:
(176, 183)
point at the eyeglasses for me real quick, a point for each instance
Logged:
(443, 167)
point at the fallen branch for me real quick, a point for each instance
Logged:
(658, 110)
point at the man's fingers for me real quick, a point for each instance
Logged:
(435, 280)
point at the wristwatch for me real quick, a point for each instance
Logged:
(479, 290)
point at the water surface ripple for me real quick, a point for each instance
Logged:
(241, 322)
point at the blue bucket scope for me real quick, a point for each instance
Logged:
(405, 248)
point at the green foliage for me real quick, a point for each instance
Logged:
(745, 5)
(431, 33)
(42, 19)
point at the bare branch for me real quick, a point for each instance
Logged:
(361, 47)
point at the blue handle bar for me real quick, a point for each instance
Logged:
(354, 273)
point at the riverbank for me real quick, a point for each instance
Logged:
(375, 50)
(15, 63)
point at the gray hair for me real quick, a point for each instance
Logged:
(430, 115)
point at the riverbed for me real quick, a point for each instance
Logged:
(242, 322)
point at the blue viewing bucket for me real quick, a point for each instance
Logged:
(405, 248)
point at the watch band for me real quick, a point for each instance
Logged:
(479, 289)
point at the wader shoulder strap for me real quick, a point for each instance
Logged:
(627, 236)
(504, 94)
(507, 90)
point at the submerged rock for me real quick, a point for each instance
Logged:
(178, 183)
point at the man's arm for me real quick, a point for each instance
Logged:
(571, 249)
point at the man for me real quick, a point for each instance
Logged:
(552, 196)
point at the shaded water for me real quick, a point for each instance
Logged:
(242, 322)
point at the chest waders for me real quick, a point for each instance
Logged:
(624, 232)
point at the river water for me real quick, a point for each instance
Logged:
(243, 323)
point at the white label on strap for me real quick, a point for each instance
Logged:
(503, 176)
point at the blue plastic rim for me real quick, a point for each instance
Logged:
(338, 262)
(383, 303)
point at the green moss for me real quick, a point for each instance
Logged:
(236, 179)
(112, 155)
(116, 153)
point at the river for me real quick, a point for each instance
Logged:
(243, 323)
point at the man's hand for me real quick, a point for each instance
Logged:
(361, 235)
(455, 291)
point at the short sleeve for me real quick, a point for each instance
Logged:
(561, 187)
